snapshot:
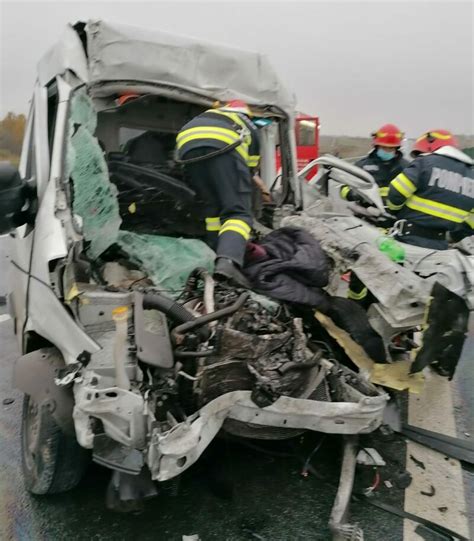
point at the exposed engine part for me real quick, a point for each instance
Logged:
(120, 316)
(252, 349)
(174, 310)
(214, 316)
(152, 336)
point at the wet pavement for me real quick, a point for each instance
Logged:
(236, 492)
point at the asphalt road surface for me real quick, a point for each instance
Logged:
(248, 490)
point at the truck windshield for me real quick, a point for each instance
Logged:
(305, 132)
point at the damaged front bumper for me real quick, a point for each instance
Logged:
(168, 453)
(171, 452)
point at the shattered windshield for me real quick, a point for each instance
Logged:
(167, 261)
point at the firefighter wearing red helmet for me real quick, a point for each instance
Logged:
(220, 151)
(384, 162)
(434, 195)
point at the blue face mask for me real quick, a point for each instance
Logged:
(261, 122)
(384, 155)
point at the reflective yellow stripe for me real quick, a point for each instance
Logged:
(345, 191)
(392, 206)
(235, 229)
(213, 224)
(470, 219)
(357, 296)
(226, 135)
(436, 135)
(206, 135)
(234, 221)
(250, 160)
(217, 137)
(237, 226)
(403, 185)
(384, 134)
(440, 210)
(253, 161)
(244, 154)
(233, 116)
(206, 131)
(383, 191)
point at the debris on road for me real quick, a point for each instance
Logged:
(431, 492)
(418, 463)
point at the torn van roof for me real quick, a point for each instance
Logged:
(126, 53)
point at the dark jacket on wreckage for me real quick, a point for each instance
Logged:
(291, 266)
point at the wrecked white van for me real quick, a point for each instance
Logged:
(130, 352)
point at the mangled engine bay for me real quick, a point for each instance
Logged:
(246, 366)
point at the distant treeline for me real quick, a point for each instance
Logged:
(12, 129)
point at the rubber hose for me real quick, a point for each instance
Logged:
(176, 312)
(218, 314)
(154, 301)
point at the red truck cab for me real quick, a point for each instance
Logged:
(307, 142)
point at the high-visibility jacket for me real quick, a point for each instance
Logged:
(435, 191)
(217, 129)
(382, 171)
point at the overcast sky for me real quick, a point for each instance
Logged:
(355, 64)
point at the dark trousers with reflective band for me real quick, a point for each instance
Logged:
(358, 292)
(225, 184)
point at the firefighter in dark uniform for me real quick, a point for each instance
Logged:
(434, 195)
(220, 150)
(384, 162)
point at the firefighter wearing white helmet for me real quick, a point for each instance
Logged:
(220, 150)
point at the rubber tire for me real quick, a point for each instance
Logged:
(63, 461)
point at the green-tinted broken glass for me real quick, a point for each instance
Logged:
(167, 261)
(95, 197)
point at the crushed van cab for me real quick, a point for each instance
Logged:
(131, 352)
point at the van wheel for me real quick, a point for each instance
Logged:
(52, 460)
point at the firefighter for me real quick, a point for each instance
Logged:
(384, 162)
(434, 195)
(220, 150)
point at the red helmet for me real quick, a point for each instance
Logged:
(432, 140)
(237, 106)
(388, 135)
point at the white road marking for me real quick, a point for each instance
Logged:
(4, 317)
(434, 410)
